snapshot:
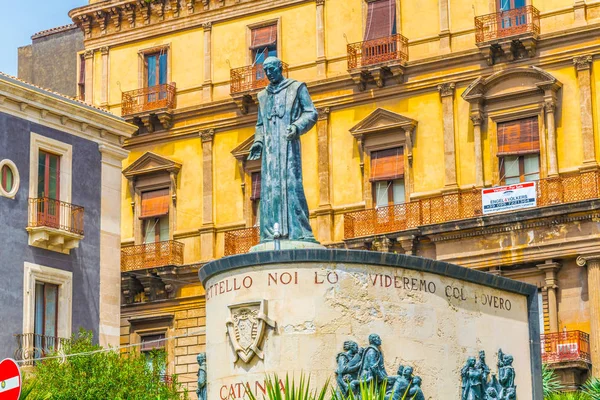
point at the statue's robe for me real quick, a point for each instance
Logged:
(282, 197)
(202, 380)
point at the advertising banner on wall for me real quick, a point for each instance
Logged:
(508, 198)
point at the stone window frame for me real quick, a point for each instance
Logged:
(16, 179)
(142, 53)
(155, 325)
(535, 93)
(246, 168)
(64, 150)
(394, 130)
(365, 7)
(64, 279)
(143, 180)
(497, 117)
(261, 24)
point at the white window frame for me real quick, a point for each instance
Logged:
(64, 150)
(64, 280)
(16, 179)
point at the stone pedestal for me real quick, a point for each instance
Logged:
(290, 312)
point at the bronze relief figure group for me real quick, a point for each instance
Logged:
(356, 366)
(476, 384)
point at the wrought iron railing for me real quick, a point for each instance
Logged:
(152, 255)
(507, 23)
(149, 99)
(385, 49)
(565, 346)
(462, 205)
(32, 346)
(55, 214)
(250, 77)
(241, 240)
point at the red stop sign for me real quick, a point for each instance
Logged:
(10, 380)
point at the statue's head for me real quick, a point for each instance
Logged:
(491, 393)
(407, 373)
(374, 339)
(273, 69)
(508, 359)
(417, 381)
(471, 361)
(400, 370)
(350, 345)
(482, 355)
(201, 358)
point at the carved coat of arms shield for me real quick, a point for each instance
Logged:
(246, 327)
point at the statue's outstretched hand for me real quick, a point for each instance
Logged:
(292, 132)
(255, 151)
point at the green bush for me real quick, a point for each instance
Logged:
(99, 374)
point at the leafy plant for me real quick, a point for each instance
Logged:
(550, 382)
(592, 388)
(290, 391)
(90, 372)
(568, 396)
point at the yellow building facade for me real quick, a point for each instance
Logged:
(421, 106)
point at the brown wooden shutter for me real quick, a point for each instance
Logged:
(155, 203)
(156, 342)
(264, 36)
(519, 137)
(255, 186)
(381, 19)
(387, 164)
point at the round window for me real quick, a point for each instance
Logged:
(9, 179)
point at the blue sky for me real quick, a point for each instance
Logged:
(20, 19)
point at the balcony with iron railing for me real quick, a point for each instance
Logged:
(150, 106)
(510, 33)
(54, 224)
(240, 241)
(152, 255)
(246, 81)
(377, 59)
(32, 346)
(462, 205)
(565, 347)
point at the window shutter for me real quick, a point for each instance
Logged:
(387, 164)
(518, 137)
(256, 177)
(381, 19)
(264, 36)
(155, 203)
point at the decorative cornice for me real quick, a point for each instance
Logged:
(583, 63)
(207, 135)
(447, 89)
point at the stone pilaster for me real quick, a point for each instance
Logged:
(447, 94)
(321, 57)
(207, 82)
(408, 159)
(579, 11)
(593, 283)
(550, 108)
(583, 65)
(110, 245)
(325, 214)
(207, 232)
(445, 45)
(104, 89)
(89, 76)
(551, 268)
(477, 119)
